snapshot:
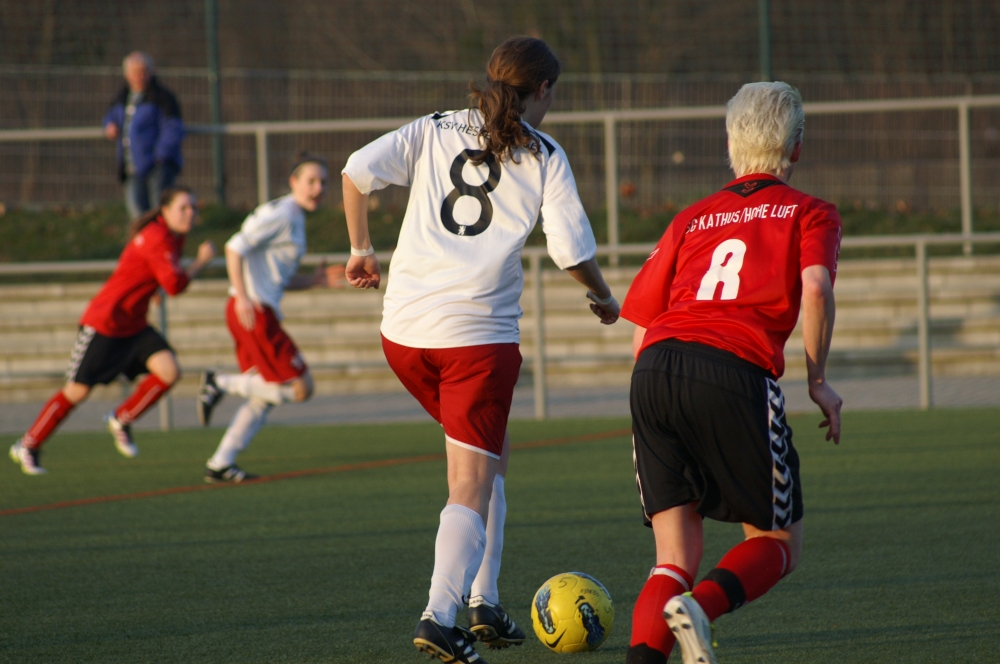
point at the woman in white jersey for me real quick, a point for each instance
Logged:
(263, 261)
(480, 179)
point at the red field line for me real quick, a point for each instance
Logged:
(307, 472)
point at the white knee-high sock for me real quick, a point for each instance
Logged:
(247, 421)
(458, 554)
(248, 385)
(485, 584)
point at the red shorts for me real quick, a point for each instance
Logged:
(468, 390)
(266, 348)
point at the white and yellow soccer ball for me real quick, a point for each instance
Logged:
(572, 612)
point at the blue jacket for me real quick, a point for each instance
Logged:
(156, 131)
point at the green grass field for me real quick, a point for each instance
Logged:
(901, 563)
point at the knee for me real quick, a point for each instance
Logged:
(76, 392)
(169, 373)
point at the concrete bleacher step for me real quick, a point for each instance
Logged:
(338, 330)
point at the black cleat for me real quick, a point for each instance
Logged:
(491, 624)
(233, 474)
(209, 396)
(643, 654)
(449, 644)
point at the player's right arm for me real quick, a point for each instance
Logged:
(390, 159)
(243, 305)
(360, 271)
(818, 313)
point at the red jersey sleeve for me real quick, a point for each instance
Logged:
(821, 232)
(649, 294)
(163, 258)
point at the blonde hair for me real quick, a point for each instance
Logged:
(764, 121)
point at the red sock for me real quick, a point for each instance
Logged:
(648, 625)
(54, 412)
(749, 570)
(148, 393)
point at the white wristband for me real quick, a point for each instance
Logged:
(604, 302)
(363, 252)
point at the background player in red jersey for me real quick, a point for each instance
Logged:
(714, 305)
(480, 179)
(114, 336)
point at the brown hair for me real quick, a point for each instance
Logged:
(303, 158)
(166, 198)
(517, 68)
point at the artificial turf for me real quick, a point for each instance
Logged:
(901, 557)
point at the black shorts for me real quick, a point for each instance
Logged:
(98, 360)
(709, 427)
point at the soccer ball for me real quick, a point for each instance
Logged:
(572, 612)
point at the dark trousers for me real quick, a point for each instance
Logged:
(143, 192)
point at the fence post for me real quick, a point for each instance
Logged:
(263, 184)
(538, 361)
(965, 173)
(923, 326)
(215, 97)
(611, 185)
(764, 39)
(167, 402)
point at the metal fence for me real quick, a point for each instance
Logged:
(535, 257)
(618, 128)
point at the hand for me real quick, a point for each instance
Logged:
(829, 402)
(206, 252)
(608, 313)
(331, 276)
(246, 312)
(111, 131)
(363, 272)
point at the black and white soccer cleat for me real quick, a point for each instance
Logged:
(209, 396)
(491, 624)
(690, 626)
(27, 458)
(449, 644)
(122, 433)
(232, 473)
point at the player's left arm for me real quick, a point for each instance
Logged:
(818, 313)
(569, 238)
(603, 303)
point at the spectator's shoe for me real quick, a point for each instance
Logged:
(122, 433)
(27, 458)
(209, 396)
(491, 624)
(449, 644)
(690, 626)
(232, 473)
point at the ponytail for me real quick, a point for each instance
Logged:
(148, 217)
(517, 69)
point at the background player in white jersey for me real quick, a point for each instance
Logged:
(263, 260)
(480, 179)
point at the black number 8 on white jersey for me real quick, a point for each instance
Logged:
(479, 192)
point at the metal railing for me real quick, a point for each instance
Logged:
(534, 256)
(610, 121)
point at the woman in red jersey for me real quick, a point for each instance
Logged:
(114, 336)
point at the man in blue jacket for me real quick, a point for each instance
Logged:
(145, 120)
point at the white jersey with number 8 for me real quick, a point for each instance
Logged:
(455, 277)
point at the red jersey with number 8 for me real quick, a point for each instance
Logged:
(728, 271)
